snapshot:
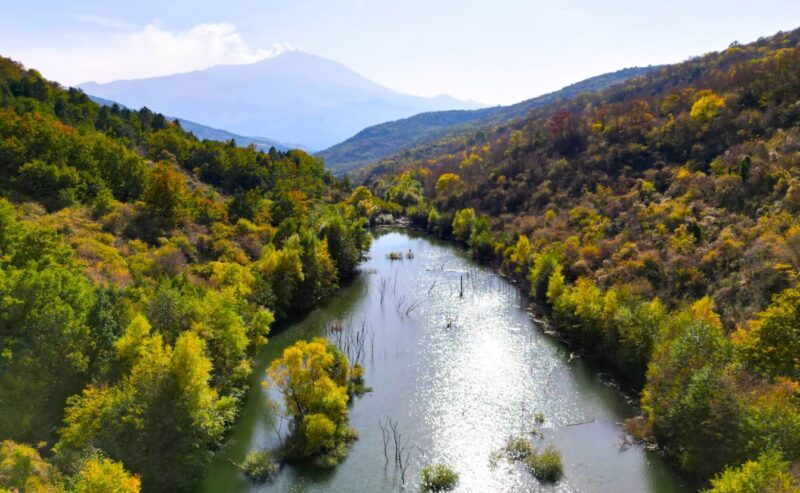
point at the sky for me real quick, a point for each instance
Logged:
(495, 52)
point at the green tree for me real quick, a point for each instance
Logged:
(159, 420)
(47, 346)
(771, 343)
(545, 264)
(278, 273)
(463, 223)
(23, 469)
(166, 194)
(54, 186)
(319, 271)
(343, 245)
(689, 396)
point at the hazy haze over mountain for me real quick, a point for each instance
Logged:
(293, 97)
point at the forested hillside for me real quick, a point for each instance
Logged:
(405, 136)
(656, 223)
(140, 271)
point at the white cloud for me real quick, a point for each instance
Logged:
(146, 52)
(99, 21)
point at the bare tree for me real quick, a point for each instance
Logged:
(402, 447)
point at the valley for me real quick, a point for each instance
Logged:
(596, 289)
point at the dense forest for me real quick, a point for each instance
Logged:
(140, 272)
(656, 225)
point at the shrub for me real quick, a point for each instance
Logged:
(546, 465)
(518, 448)
(259, 465)
(438, 478)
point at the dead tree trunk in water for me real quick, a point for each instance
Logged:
(402, 448)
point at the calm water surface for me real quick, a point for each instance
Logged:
(459, 375)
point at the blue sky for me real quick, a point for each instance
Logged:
(498, 51)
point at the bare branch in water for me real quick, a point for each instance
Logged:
(402, 447)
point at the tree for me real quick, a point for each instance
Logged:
(462, 224)
(771, 342)
(55, 186)
(521, 257)
(278, 273)
(105, 476)
(438, 477)
(9, 227)
(313, 376)
(342, 244)
(160, 419)
(707, 106)
(165, 195)
(448, 185)
(219, 323)
(305, 376)
(47, 345)
(545, 264)
(319, 271)
(770, 472)
(689, 396)
(23, 469)
(406, 190)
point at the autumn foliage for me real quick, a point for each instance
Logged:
(655, 223)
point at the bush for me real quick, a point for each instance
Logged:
(259, 466)
(438, 478)
(546, 466)
(518, 448)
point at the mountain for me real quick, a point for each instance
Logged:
(204, 132)
(383, 140)
(293, 97)
(657, 224)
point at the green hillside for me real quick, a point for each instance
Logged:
(656, 223)
(140, 272)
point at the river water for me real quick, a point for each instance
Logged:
(459, 375)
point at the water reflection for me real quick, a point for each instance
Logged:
(460, 371)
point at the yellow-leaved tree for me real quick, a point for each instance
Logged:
(313, 378)
(707, 106)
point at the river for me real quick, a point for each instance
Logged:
(459, 374)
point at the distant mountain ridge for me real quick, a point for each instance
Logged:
(204, 132)
(385, 139)
(293, 97)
